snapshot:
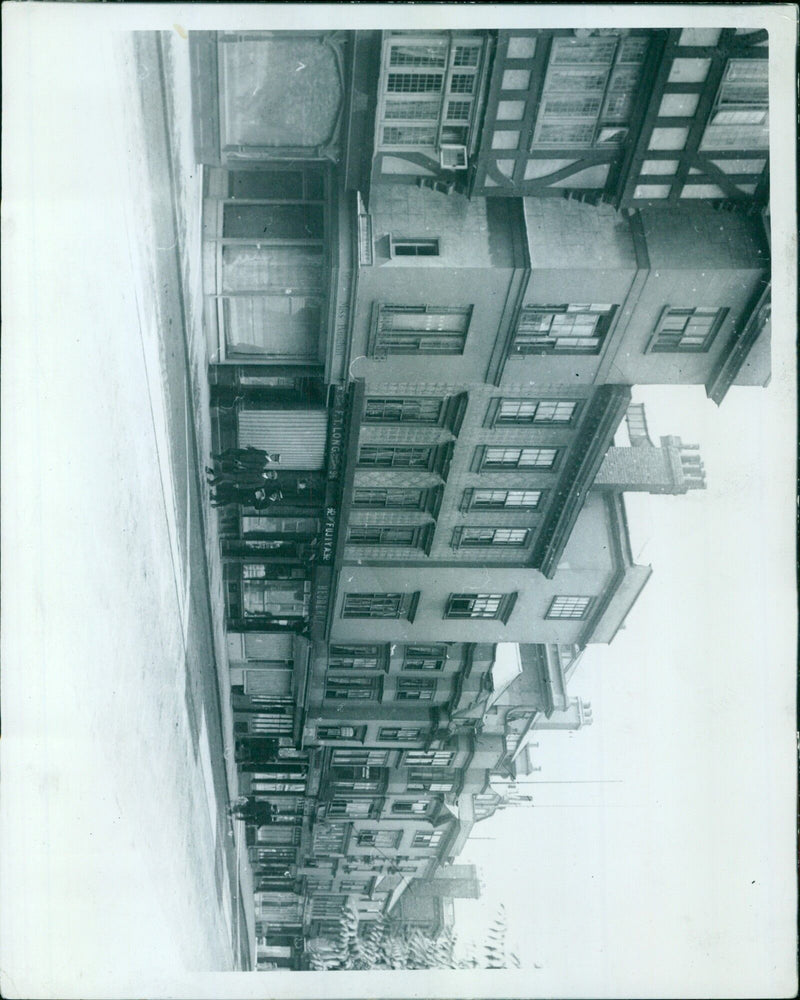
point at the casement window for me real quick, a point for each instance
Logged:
(414, 83)
(257, 525)
(562, 329)
(365, 656)
(330, 838)
(411, 536)
(274, 834)
(428, 758)
(266, 724)
(289, 787)
(403, 409)
(497, 606)
(364, 758)
(399, 734)
(350, 733)
(428, 92)
(380, 605)
(349, 780)
(431, 779)
(395, 456)
(404, 246)
(379, 838)
(502, 499)
(518, 458)
(356, 885)
(415, 689)
(568, 607)
(514, 412)
(427, 838)
(271, 265)
(401, 498)
(410, 807)
(353, 688)
(327, 907)
(474, 535)
(686, 330)
(274, 598)
(589, 91)
(424, 657)
(420, 330)
(739, 118)
(369, 906)
(351, 807)
(277, 856)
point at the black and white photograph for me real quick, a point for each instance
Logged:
(433, 633)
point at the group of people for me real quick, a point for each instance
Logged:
(252, 810)
(244, 476)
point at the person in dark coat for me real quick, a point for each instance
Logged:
(252, 810)
(227, 493)
(249, 457)
(242, 478)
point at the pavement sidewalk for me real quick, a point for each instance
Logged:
(165, 57)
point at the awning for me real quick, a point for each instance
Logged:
(506, 668)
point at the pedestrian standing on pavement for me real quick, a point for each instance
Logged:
(243, 478)
(249, 457)
(252, 810)
(228, 493)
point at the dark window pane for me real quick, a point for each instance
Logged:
(266, 184)
(289, 222)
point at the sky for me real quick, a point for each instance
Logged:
(654, 843)
(670, 871)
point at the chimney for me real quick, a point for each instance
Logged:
(672, 467)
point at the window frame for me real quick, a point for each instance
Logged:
(461, 538)
(367, 687)
(563, 608)
(436, 77)
(334, 733)
(361, 757)
(433, 758)
(420, 504)
(603, 117)
(421, 652)
(439, 780)
(502, 612)
(424, 839)
(414, 246)
(405, 604)
(470, 502)
(716, 314)
(413, 452)
(370, 838)
(402, 402)
(369, 661)
(415, 688)
(453, 342)
(482, 458)
(350, 809)
(419, 535)
(314, 190)
(395, 809)
(604, 314)
(403, 734)
(494, 413)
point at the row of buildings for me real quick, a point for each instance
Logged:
(434, 266)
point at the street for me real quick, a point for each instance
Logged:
(115, 777)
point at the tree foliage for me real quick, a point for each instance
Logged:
(381, 944)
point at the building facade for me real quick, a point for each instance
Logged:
(434, 265)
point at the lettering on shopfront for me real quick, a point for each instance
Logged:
(328, 534)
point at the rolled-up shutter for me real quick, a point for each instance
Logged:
(298, 436)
